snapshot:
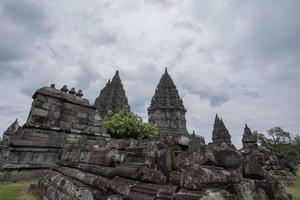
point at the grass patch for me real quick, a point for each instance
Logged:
(295, 190)
(16, 191)
(9, 192)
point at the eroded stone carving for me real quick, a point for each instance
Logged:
(220, 134)
(166, 110)
(112, 97)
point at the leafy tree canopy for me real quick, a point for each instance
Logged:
(125, 124)
(279, 141)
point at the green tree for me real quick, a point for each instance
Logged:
(279, 136)
(278, 141)
(125, 124)
(296, 143)
(263, 142)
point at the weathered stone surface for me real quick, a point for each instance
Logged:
(112, 97)
(57, 110)
(166, 110)
(56, 119)
(228, 158)
(248, 140)
(198, 176)
(253, 166)
(220, 133)
(11, 130)
(262, 195)
(21, 174)
(151, 175)
(128, 170)
(245, 190)
(58, 186)
(183, 140)
(202, 177)
(186, 195)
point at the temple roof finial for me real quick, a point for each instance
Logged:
(166, 70)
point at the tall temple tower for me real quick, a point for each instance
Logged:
(112, 96)
(166, 109)
(220, 133)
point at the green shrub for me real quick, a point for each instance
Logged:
(125, 124)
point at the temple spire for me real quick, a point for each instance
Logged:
(249, 141)
(166, 109)
(112, 96)
(217, 119)
(220, 133)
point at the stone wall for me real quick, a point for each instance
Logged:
(56, 119)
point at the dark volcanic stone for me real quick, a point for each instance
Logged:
(112, 97)
(253, 166)
(228, 158)
(220, 133)
(166, 110)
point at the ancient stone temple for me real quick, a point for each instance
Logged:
(166, 109)
(57, 119)
(64, 145)
(248, 140)
(112, 96)
(220, 133)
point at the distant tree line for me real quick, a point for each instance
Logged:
(280, 141)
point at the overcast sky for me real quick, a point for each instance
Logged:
(239, 59)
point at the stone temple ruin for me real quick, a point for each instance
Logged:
(220, 133)
(64, 144)
(57, 118)
(112, 96)
(166, 109)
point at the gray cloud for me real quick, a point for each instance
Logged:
(238, 59)
(28, 14)
(23, 23)
(215, 99)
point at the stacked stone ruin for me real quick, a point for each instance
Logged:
(57, 118)
(64, 144)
